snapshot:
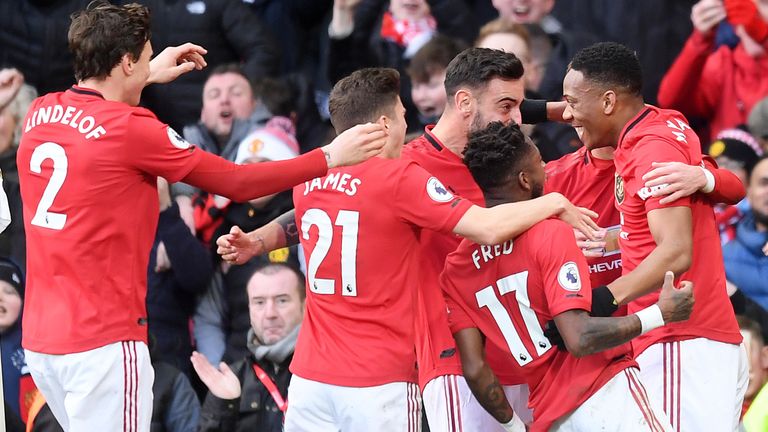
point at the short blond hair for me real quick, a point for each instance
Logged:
(501, 25)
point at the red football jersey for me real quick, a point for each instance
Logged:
(360, 230)
(435, 348)
(509, 292)
(87, 169)
(657, 135)
(588, 182)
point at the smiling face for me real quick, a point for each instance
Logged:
(585, 110)
(523, 11)
(274, 304)
(226, 97)
(498, 101)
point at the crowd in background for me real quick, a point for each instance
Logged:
(263, 96)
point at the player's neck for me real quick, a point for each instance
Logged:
(604, 153)
(109, 89)
(625, 112)
(450, 131)
(493, 199)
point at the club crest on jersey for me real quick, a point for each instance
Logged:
(618, 189)
(437, 191)
(568, 277)
(177, 140)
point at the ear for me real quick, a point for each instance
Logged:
(462, 100)
(764, 357)
(524, 181)
(384, 122)
(609, 102)
(127, 64)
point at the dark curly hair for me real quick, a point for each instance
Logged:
(610, 64)
(496, 154)
(475, 67)
(363, 96)
(102, 34)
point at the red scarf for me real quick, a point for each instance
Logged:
(402, 31)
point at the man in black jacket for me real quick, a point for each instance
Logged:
(251, 394)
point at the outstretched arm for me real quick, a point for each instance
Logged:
(677, 180)
(584, 335)
(238, 247)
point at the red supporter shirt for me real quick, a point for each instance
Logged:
(588, 182)
(657, 135)
(509, 292)
(360, 229)
(435, 348)
(87, 169)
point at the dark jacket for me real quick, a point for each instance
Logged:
(228, 29)
(365, 48)
(746, 266)
(175, 407)
(33, 38)
(255, 410)
(172, 294)
(14, 365)
(13, 243)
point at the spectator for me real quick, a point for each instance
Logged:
(175, 406)
(13, 107)
(758, 123)
(564, 43)
(229, 30)
(737, 151)
(757, 354)
(720, 85)
(427, 74)
(250, 394)
(33, 38)
(180, 268)
(11, 298)
(365, 33)
(746, 257)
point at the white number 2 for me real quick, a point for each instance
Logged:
(518, 283)
(55, 152)
(348, 221)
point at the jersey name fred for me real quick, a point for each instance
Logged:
(69, 116)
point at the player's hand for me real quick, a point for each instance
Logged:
(11, 81)
(222, 382)
(681, 180)
(238, 247)
(356, 144)
(591, 248)
(676, 304)
(707, 14)
(173, 62)
(580, 218)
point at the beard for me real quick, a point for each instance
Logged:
(478, 123)
(537, 190)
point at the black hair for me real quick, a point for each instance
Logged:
(610, 64)
(496, 154)
(475, 67)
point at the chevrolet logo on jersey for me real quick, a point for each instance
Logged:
(618, 189)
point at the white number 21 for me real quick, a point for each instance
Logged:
(55, 152)
(348, 221)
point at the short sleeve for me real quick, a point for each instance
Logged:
(458, 318)
(564, 271)
(157, 149)
(648, 151)
(424, 201)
